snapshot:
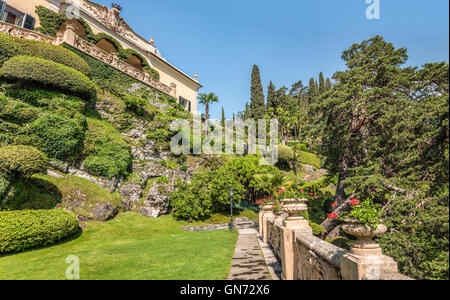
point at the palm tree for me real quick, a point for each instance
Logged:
(207, 99)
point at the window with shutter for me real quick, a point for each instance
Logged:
(29, 22)
(2, 9)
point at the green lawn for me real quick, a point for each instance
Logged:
(130, 247)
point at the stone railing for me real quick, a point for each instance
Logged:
(306, 257)
(20, 32)
(70, 37)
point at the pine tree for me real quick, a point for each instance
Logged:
(271, 96)
(321, 83)
(257, 103)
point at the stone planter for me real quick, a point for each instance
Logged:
(364, 245)
(294, 221)
(266, 207)
(294, 208)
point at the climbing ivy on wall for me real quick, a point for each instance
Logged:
(106, 76)
(51, 22)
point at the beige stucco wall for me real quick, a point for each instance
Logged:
(28, 7)
(184, 87)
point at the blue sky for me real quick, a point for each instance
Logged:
(289, 40)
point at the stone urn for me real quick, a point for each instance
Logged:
(294, 208)
(364, 245)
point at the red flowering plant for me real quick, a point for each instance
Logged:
(365, 212)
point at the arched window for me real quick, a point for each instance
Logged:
(107, 46)
(134, 61)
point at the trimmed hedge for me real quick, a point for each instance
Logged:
(25, 229)
(285, 154)
(58, 136)
(22, 161)
(308, 158)
(11, 46)
(39, 71)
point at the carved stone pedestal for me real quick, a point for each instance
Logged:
(371, 267)
(267, 213)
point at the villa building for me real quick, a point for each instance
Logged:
(102, 19)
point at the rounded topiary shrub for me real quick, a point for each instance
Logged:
(39, 71)
(22, 161)
(285, 154)
(25, 229)
(58, 136)
(11, 46)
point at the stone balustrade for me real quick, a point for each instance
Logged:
(70, 37)
(304, 256)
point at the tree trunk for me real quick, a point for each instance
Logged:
(207, 118)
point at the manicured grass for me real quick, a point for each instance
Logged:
(130, 247)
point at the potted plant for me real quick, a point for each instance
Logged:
(363, 222)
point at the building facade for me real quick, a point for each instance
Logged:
(102, 19)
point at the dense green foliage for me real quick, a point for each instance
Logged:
(38, 71)
(57, 135)
(384, 129)
(21, 230)
(209, 190)
(22, 161)
(50, 21)
(107, 153)
(12, 46)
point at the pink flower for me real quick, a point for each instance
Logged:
(311, 194)
(302, 191)
(317, 197)
(334, 204)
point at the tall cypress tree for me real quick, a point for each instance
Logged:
(247, 112)
(222, 122)
(321, 83)
(271, 96)
(257, 103)
(328, 84)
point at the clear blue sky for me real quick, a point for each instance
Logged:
(289, 40)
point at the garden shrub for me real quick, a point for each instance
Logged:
(34, 70)
(285, 154)
(134, 103)
(4, 185)
(22, 161)
(48, 100)
(341, 242)
(25, 229)
(192, 201)
(12, 46)
(209, 190)
(317, 229)
(17, 112)
(107, 153)
(58, 136)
